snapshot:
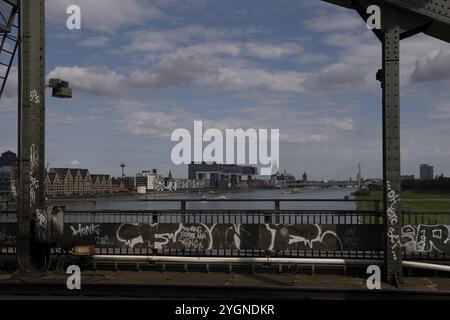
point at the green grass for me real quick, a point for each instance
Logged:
(416, 202)
(413, 201)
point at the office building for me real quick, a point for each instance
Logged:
(426, 172)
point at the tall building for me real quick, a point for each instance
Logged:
(221, 175)
(147, 179)
(305, 177)
(65, 181)
(426, 172)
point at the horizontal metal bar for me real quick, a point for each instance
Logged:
(226, 211)
(240, 211)
(263, 260)
(427, 266)
(234, 260)
(256, 200)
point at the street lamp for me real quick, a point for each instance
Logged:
(60, 88)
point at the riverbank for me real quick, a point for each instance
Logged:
(132, 195)
(413, 201)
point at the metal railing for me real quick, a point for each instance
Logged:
(241, 232)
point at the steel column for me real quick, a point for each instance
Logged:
(391, 145)
(31, 255)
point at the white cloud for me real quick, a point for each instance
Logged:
(337, 77)
(94, 42)
(260, 79)
(75, 163)
(272, 50)
(94, 79)
(434, 66)
(174, 72)
(149, 123)
(331, 21)
(104, 15)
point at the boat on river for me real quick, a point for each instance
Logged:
(290, 190)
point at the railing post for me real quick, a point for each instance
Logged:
(183, 211)
(378, 210)
(277, 208)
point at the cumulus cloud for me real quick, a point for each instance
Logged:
(272, 51)
(151, 123)
(337, 77)
(434, 66)
(174, 72)
(181, 71)
(330, 21)
(200, 71)
(195, 39)
(260, 79)
(75, 163)
(95, 80)
(105, 15)
(95, 42)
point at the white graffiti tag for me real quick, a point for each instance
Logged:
(34, 182)
(86, 231)
(35, 97)
(392, 216)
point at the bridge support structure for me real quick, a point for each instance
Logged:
(32, 255)
(399, 20)
(389, 76)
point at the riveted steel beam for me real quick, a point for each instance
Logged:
(31, 255)
(391, 144)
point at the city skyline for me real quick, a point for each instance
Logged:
(341, 174)
(139, 76)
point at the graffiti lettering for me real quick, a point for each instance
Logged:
(7, 238)
(426, 238)
(392, 217)
(86, 231)
(35, 98)
(193, 237)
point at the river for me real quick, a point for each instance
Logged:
(138, 203)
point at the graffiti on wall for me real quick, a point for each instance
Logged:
(199, 236)
(426, 238)
(50, 224)
(7, 235)
(229, 236)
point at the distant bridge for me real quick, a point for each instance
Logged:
(322, 184)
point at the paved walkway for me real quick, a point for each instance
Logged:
(154, 284)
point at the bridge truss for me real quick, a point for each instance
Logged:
(400, 19)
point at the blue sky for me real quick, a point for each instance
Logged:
(140, 69)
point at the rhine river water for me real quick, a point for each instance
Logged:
(139, 203)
